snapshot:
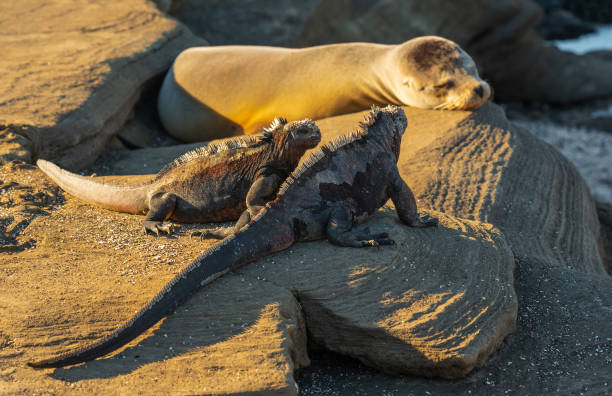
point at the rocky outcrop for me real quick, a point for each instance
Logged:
(594, 10)
(590, 150)
(561, 346)
(254, 22)
(241, 335)
(73, 71)
(604, 212)
(438, 303)
(560, 24)
(480, 166)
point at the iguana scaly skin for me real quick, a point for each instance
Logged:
(339, 185)
(211, 184)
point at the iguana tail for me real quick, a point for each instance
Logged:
(120, 198)
(265, 235)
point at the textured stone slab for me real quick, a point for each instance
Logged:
(438, 303)
(250, 22)
(365, 303)
(561, 346)
(458, 163)
(477, 165)
(72, 71)
(79, 272)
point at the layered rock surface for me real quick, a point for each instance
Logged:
(72, 72)
(251, 22)
(79, 272)
(479, 166)
(437, 303)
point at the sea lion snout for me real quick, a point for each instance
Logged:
(483, 91)
(480, 94)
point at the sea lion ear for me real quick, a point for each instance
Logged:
(408, 82)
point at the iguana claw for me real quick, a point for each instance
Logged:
(200, 234)
(378, 242)
(157, 226)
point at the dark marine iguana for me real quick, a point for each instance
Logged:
(339, 185)
(210, 184)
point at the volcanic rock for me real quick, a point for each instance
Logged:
(72, 72)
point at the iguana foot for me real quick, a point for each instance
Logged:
(340, 232)
(217, 233)
(200, 234)
(426, 221)
(366, 239)
(377, 242)
(157, 227)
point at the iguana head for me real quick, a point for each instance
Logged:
(386, 124)
(293, 138)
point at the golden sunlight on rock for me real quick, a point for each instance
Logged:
(509, 294)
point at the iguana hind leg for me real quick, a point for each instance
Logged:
(224, 232)
(217, 233)
(365, 234)
(340, 232)
(161, 207)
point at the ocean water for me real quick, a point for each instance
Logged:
(600, 40)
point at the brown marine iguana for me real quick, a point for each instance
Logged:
(339, 185)
(210, 184)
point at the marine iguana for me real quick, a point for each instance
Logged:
(339, 185)
(210, 184)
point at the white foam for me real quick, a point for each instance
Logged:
(603, 113)
(600, 40)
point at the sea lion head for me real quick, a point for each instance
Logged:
(435, 73)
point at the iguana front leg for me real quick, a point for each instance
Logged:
(405, 204)
(340, 231)
(262, 190)
(161, 206)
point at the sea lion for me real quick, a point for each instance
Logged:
(214, 92)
